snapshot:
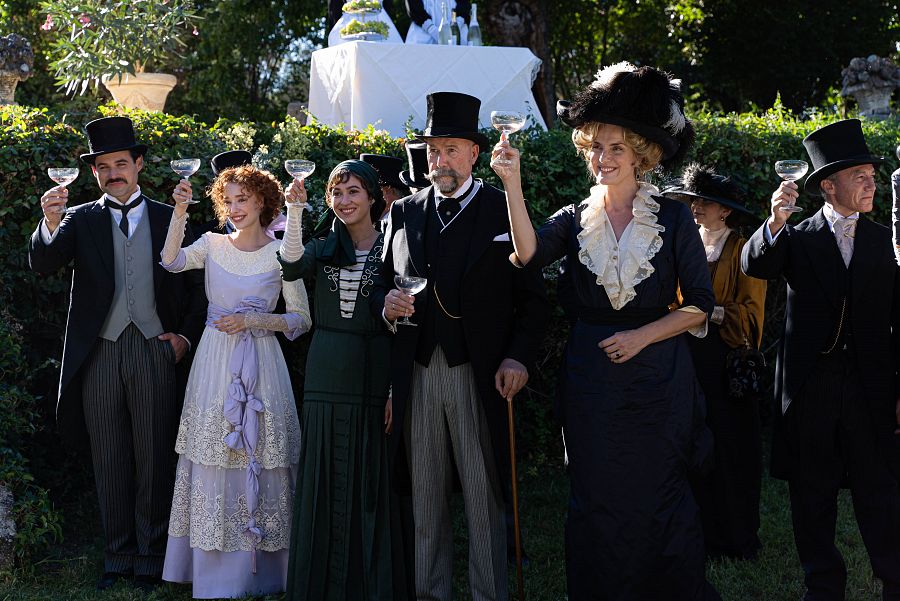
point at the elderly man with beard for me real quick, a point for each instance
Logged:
(477, 329)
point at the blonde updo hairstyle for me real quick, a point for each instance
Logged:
(648, 154)
(252, 181)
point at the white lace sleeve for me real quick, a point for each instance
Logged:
(297, 303)
(292, 243)
(174, 257)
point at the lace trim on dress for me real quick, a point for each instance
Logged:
(214, 513)
(620, 269)
(240, 262)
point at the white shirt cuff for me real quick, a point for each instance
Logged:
(392, 325)
(767, 233)
(186, 340)
(46, 236)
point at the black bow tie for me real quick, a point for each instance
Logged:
(123, 223)
(448, 208)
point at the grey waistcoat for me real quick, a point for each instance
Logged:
(134, 300)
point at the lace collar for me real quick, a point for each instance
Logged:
(620, 269)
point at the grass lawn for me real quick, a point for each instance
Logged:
(70, 571)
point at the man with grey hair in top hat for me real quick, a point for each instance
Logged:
(837, 381)
(131, 324)
(477, 327)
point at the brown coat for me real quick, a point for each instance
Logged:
(743, 297)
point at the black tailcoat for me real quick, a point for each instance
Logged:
(85, 237)
(807, 256)
(504, 309)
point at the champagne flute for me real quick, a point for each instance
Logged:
(508, 122)
(789, 171)
(411, 285)
(63, 176)
(186, 168)
(299, 169)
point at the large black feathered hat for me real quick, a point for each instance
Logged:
(453, 115)
(417, 174)
(701, 181)
(110, 134)
(835, 147)
(645, 100)
(230, 158)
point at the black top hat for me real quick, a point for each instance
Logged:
(229, 158)
(110, 134)
(453, 115)
(417, 174)
(388, 169)
(645, 100)
(836, 147)
(700, 181)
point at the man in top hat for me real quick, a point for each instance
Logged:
(478, 326)
(837, 374)
(130, 325)
(392, 188)
(219, 163)
(416, 176)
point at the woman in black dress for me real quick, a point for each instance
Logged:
(729, 495)
(630, 406)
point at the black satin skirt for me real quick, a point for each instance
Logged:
(634, 433)
(729, 495)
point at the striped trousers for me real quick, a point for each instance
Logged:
(131, 414)
(446, 423)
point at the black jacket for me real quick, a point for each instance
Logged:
(807, 256)
(85, 237)
(505, 309)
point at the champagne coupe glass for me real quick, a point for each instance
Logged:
(790, 171)
(411, 285)
(186, 168)
(299, 169)
(507, 122)
(63, 176)
(898, 151)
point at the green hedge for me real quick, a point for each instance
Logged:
(742, 145)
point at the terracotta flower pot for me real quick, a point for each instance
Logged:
(146, 91)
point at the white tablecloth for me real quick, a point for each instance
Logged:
(384, 84)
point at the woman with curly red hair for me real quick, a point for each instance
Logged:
(238, 441)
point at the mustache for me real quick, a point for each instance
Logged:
(442, 172)
(115, 180)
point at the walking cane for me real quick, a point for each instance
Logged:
(515, 498)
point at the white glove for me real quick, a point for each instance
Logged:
(463, 31)
(431, 29)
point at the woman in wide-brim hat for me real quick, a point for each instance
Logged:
(729, 494)
(629, 404)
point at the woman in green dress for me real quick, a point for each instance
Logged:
(345, 542)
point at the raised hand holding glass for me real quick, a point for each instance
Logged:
(186, 168)
(63, 176)
(299, 169)
(789, 171)
(508, 122)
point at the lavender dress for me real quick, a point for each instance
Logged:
(239, 437)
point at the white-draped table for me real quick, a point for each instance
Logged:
(385, 85)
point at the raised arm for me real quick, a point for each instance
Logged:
(296, 260)
(765, 254)
(52, 244)
(173, 257)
